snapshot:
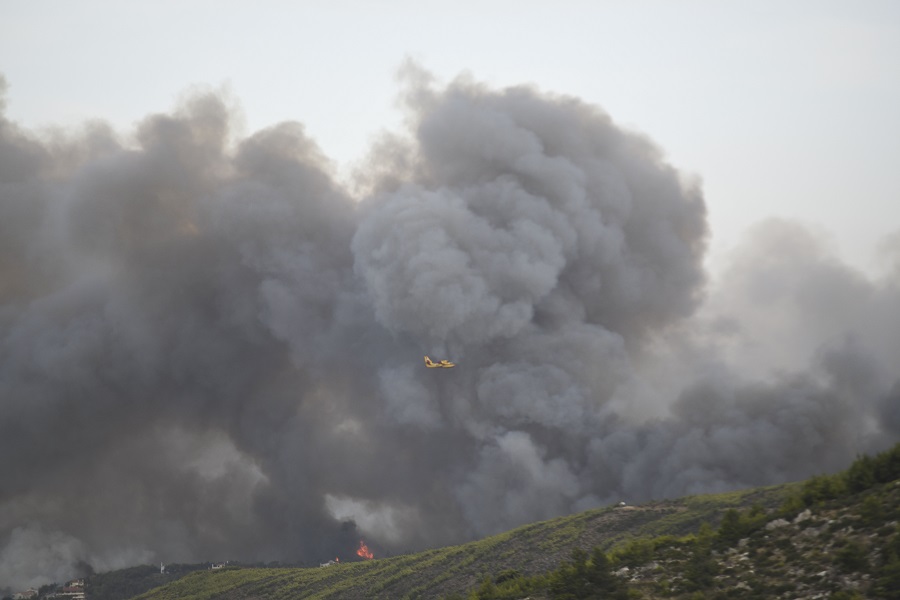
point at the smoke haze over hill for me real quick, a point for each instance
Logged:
(211, 347)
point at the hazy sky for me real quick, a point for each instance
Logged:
(783, 108)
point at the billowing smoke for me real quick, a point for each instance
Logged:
(211, 348)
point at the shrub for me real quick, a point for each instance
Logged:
(845, 595)
(852, 557)
(861, 474)
(701, 569)
(635, 553)
(732, 527)
(887, 585)
(871, 510)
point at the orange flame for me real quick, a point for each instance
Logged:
(364, 552)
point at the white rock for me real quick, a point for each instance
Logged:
(806, 514)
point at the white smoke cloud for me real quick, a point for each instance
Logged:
(33, 557)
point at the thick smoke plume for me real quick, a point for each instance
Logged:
(211, 348)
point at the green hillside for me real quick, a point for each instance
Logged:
(529, 550)
(832, 535)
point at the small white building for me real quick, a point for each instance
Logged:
(73, 590)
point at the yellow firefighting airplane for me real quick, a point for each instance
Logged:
(444, 364)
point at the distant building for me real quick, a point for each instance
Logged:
(73, 590)
(29, 593)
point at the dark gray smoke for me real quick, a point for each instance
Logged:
(212, 349)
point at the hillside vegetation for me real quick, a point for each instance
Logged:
(529, 550)
(833, 536)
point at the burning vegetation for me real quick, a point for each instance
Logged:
(364, 552)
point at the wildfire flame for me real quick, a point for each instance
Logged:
(364, 552)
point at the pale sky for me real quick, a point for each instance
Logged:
(787, 109)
